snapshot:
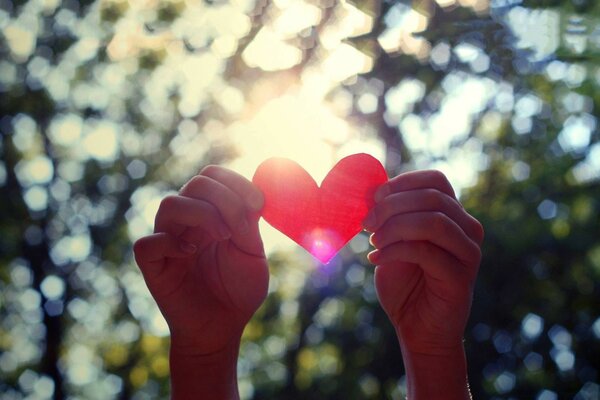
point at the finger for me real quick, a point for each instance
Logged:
(435, 262)
(230, 205)
(396, 284)
(423, 200)
(176, 213)
(430, 226)
(415, 180)
(151, 251)
(252, 196)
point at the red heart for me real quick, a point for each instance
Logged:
(322, 220)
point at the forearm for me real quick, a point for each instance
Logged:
(210, 376)
(435, 377)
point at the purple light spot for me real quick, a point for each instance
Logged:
(320, 244)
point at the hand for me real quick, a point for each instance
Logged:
(205, 267)
(427, 256)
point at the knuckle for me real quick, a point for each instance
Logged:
(168, 202)
(480, 231)
(395, 179)
(375, 239)
(232, 208)
(197, 181)
(210, 170)
(438, 176)
(435, 199)
(474, 258)
(440, 222)
(476, 229)
(441, 179)
(384, 208)
(138, 247)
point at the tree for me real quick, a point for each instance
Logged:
(106, 106)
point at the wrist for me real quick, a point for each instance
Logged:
(208, 375)
(436, 374)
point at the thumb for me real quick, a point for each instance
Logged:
(151, 254)
(395, 284)
(250, 241)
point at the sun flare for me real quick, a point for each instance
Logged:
(303, 117)
(301, 126)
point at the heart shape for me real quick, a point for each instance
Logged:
(320, 219)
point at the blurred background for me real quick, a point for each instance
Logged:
(107, 106)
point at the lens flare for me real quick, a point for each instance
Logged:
(322, 244)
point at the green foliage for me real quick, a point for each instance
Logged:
(75, 317)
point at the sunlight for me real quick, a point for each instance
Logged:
(344, 62)
(301, 126)
(269, 52)
(296, 17)
(294, 127)
(102, 141)
(294, 116)
(20, 40)
(402, 22)
(322, 244)
(291, 126)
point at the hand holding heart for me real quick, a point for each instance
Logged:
(205, 266)
(206, 269)
(427, 255)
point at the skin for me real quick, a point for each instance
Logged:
(207, 271)
(427, 256)
(205, 267)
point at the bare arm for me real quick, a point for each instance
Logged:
(206, 269)
(427, 256)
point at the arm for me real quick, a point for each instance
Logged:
(434, 376)
(195, 376)
(205, 267)
(427, 256)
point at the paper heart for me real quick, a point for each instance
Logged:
(320, 219)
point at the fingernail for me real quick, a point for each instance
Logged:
(370, 220)
(188, 248)
(381, 193)
(256, 201)
(371, 240)
(243, 227)
(373, 256)
(224, 232)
